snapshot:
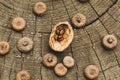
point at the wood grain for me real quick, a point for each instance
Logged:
(103, 17)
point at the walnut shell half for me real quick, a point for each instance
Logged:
(59, 42)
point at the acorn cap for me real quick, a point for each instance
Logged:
(40, 8)
(68, 61)
(23, 75)
(109, 41)
(60, 69)
(79, 20)
(91, 72)
(4, 47)
(49, 60)
(18, 23)
(25, 44)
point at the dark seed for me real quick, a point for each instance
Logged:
(60, 38)
(60, 32)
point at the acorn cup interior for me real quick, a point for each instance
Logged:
(61, 36)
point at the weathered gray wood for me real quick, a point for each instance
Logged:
(103, 17)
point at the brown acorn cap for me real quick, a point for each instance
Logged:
(91, 72)
(49, 60)
(23, 75)
(25, 44)
(18, 23)
(60, 69)
(79, 20)
(4, 47)
(40, 8)
(61, 45)
(109, 41)
(68, 61)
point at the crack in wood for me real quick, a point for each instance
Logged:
(96, 55)
(77, 71)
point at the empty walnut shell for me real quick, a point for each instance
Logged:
(109, 41)
(60, 69)
(91, 72)
(23, 75)
(49, 60)
(61, 36)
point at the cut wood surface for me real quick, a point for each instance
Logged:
(103, 17)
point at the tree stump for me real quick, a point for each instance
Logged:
(103, 17)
